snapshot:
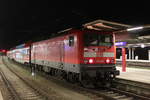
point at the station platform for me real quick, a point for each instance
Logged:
(135, 74)
(129, 60)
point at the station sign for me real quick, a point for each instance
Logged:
(121, 43)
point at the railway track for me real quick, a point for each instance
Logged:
(12, 93)
(113, 94)
(19, 89)
(99, 94)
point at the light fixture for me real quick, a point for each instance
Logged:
(142, 45)
(91, 61)
(107, 61)
(135, 28)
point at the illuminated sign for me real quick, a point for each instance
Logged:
(121, 43)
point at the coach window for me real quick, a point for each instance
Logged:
(71, 41)
(27, 51)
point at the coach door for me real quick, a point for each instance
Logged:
(62, 54)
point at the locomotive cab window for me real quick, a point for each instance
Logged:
(95, 39)
(71, 41)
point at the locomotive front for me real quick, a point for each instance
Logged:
(99, 55)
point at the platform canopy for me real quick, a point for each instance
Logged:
(132, 38)
(119, 29)
(103, 25)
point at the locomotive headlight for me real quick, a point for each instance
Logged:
(107, 60)
(91, 61)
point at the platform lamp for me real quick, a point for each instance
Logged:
(142, 46)
(132, 29)
(138, 28)
(135, 28)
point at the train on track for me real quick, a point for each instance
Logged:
(77, 55)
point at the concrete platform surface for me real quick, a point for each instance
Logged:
(135, 74)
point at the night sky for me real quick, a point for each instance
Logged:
(24, 20)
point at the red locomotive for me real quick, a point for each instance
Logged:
(77, 55)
